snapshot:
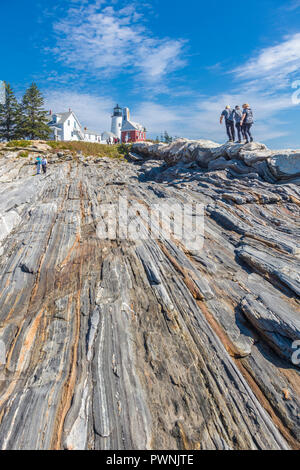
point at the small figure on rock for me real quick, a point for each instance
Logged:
(44, 165)
(246, 123)
(38, 165)
(229, 122)
(237, 114)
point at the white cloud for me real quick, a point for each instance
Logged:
(92, 111)
(275, 64)
(107, 42)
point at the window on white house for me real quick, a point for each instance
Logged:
(69, 123)
(74, 125)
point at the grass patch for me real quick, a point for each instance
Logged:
(23, 154)
(19, 143)
(92, 149)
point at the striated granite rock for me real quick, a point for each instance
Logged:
(121, 343)
(252, 158)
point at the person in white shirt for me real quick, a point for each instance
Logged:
(44, 164)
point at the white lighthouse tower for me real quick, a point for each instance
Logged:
(116, 121)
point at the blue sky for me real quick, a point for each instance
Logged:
(174, 63)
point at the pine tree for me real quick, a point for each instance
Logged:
(167, 138)
(19, 119)
(9, 115)
(34, 122)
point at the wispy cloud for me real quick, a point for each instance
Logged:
(93, 111)
(293, 5)
(106, 42)
(276, 64)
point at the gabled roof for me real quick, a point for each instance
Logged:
(130, 125)
(63, 117)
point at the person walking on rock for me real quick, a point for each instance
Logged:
(38, 165)
(246, 123)
(229, 122)
(237, 113)
(44, 165)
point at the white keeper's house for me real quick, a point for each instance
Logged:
(66, 126)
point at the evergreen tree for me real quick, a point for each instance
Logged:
(167, 138)
(19, 119)
(34, 121)
(9, 115)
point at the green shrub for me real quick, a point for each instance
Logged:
(23, 154)
(19, 143)
(124, 149)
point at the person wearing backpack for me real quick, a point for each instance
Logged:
(237, 113)
(247, 122)
(229, 122)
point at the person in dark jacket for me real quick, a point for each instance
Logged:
(44, 165)
(237, 114)
(247, 122)
(229, 122)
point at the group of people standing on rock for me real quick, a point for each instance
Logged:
(41, 163)
(242, 120)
